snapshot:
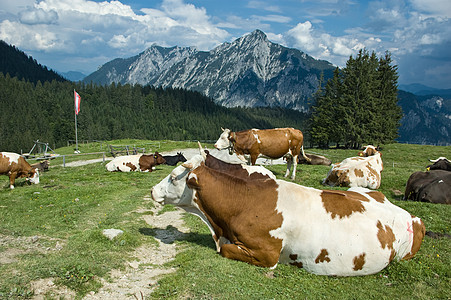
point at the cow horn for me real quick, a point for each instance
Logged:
(222, 129)
(202, 152)
(436, 160)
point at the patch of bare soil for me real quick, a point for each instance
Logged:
(140, 276)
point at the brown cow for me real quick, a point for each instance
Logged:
(266, 221)
(315, 160)
(272, 143)
(135, 163)
(14, 165)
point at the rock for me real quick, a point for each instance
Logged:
(112, 233)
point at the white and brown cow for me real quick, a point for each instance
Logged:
(271, 143)
(135, 163)
(15, 166)
(267, 221)
(358, 171)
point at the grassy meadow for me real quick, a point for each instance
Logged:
(54, 230)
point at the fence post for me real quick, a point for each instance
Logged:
(64, 161)
(103, 155)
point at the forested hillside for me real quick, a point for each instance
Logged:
(17, 64)
(45, 111)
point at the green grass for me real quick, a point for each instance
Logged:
(71, 206)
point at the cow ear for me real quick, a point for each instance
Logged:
(192, 181)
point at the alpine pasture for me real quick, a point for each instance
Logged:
(53, 231)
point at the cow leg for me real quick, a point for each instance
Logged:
(295, 164)
(12, 180)
(241, 253)
(254, 158)
(289, 162)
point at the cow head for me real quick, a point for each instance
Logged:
(224, 141)
(368, 151)
(173, 189)
(181, 157)
(441, 163)
(159, 158)
(33, 176)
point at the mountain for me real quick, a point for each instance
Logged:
(73, 76)
(250, 72)
(421, 89)
(17, 64)
(426, 120)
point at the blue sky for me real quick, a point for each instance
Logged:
(81, 35)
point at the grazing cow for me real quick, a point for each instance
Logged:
(266, 222)
(172, 160)
(14, 165)
(314, 160)
(441, 163)
(42, 166)
(135, 163)
(272, 143)
(433, 186)
(359, 171)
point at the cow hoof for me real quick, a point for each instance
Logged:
(11, 187)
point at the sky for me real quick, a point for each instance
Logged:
(82, 35)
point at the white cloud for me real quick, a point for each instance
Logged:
(440, 8)
(38, 16)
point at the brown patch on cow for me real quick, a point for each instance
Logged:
(131, 166)
(297, 264)
(322, 257)
(294, 257)
(359, 261)
(244, 217)
(342, 203)
(385, 236)
(358, 172)
(373, 172)
(419, 230)
(378, 196)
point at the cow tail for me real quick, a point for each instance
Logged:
(303, 154)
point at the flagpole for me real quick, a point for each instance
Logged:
(76, 135)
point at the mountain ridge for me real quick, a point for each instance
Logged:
(250, 71)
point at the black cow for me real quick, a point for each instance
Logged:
(433, 186)
(441, 163)
(42, 166)
(172, 160)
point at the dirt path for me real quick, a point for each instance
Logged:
(141, 274)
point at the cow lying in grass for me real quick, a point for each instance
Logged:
(135, 163)
(358, 171)
(264, 221)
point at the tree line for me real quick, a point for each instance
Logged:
(358, 105)
(45, 111)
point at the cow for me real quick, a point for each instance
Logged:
(135, 163)
(42, 166)
(441, 163)
(15, 166)
(314, 160)
(272, 143)
(268, 221)
(433, 186)
(172, 160)
(358, 171)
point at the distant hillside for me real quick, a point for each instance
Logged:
(17, 64)
(73, 76)
(426, 120)
(248, 72)
(423, 90)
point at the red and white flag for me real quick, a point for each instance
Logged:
(77, 102)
